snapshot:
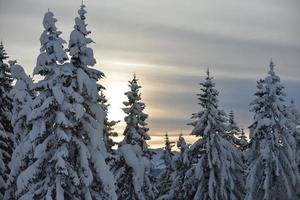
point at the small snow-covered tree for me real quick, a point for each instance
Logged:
(234, 134)
(22, 97)
(133, 167)
(243, 142)
(293, 113)
(108, 131)
(165, 178)
(177, 191)
(102, 184)
(136, 131)
(272, 169)
(218, 169)
(232, 130)
(6, 137)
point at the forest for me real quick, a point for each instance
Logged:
(57, 142)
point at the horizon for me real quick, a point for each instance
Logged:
(170, 52)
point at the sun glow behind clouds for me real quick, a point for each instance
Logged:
(118, 74)
(115, 94)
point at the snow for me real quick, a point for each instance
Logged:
(272, 152)
(49, 21)
(78, 110)
(104, 173)
(61, 119)
(25, 176)
(133, 149)
(58, 94)
(133, 155)
(216, 171)
(86, 84)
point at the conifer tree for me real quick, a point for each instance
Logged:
(6, 137)
(243, 143)
(133, 168)
(294, 115)
(272, 169)
(165, 178)
(50, 173)
(177, 191)
(233, 129)
(67, 122)
(218, 166)
(102, 184)
(22, 96)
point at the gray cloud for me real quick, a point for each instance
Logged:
(170, 44)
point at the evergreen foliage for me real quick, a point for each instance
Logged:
(272, 169)
(134, 165)
(6, 136)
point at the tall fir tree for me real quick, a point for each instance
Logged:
(166, 177)
(272, 169)
(6, 136)
(69, 151)
(133, 167)
(22, 97)
(102, 186)
(50, 173)
(218, 170)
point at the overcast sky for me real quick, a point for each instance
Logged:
(169, 44)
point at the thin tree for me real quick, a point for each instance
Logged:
(177, 191)
(133, 168)
(166, 177)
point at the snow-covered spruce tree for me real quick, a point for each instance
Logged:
(233, 130)
(102, 184)
(272, 169)
(22, 97)
(50, 174)
(69, 152)
(234, 134)
(294, 115)
(243, 143)
(108, 131)
(181, 164)
(165, 178)
(132, 170)
(6, 137)
(218, 170)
